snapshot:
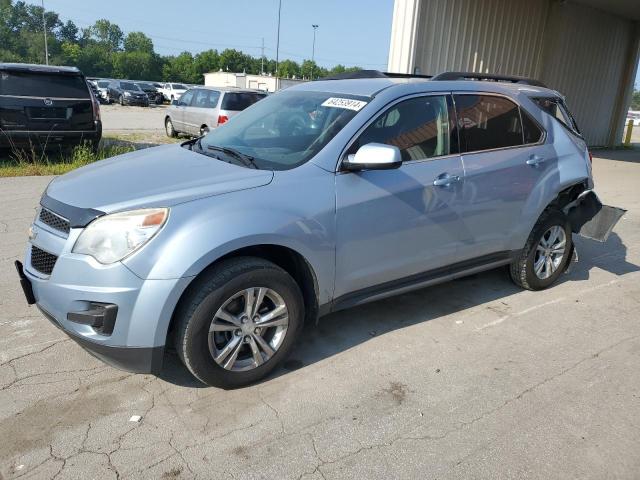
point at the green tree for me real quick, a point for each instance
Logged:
(289, 69)
(138, 42)
(107, 33)
(180, 69)
(635, 100)
(204, 62)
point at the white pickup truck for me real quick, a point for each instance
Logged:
(172, 91)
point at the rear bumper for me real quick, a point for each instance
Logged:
(50, 138)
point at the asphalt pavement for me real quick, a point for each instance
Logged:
(471, 379)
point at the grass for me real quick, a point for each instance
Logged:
(32, 161)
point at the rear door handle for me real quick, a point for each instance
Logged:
(535, 160)
(445, 180)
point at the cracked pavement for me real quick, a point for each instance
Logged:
(471, 379)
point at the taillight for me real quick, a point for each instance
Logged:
(96, 107)
(222, 119)
(590, 158)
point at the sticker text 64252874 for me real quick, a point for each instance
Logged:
(347, 103)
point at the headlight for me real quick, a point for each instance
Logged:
(127, 94)
(110, 238)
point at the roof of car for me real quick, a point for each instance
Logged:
(31, 67)
(370, 87)
(229, 89)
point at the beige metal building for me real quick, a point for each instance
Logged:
(266, 83)
(586, 49)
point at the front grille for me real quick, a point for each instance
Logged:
(42, 261)
(54, 221)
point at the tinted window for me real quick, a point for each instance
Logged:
(240, 101)
(129, 86)
(103, 84)
(531, 130)
(206, 98)
(186, 98)
(487, 122)
(555, 107)
(419, 127)
(43, 85)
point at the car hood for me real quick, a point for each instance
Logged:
(152, 177)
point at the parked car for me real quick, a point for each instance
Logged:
(152, 92)
(172, 91)
(103, 86)
(320, 197)
(131, 94)
(46, 107)
(203, 108)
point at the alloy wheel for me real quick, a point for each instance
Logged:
(248, 329)
(550, 252)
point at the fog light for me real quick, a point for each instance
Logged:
(100, 316)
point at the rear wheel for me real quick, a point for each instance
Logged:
(168, 127)
(546, 253)
(239, 322)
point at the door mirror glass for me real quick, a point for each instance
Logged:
(374, 156)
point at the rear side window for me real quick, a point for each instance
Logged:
(487, 122)
(43, 85)
(419, 127)
(556, 107)
(206, 98)
(240, 101)
(530, 129)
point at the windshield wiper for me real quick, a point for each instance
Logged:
(248, 160)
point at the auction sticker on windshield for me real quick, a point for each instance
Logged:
(347, 103)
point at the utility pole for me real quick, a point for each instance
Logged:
(313, 51)
(262, 59)
(278, 43)
(44, 28)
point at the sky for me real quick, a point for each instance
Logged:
(353, 32)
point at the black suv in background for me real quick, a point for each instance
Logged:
(46, 107)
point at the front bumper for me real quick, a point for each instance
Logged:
(135, 340)
(143, 102)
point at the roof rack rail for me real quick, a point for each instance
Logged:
(372, 74)
(488, 76)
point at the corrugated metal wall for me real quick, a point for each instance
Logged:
(498, 36)
(576, 49)
(584, 58)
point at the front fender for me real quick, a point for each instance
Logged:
(291, 212)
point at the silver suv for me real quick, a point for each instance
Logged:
(200, 109)
(323, 196)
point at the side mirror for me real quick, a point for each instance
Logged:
(373, 156)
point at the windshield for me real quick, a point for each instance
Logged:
(285, 130)
(129, 86)
(43, 85)
(146, 86)
(179, 86)
(103, 84)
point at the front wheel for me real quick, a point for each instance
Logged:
(546, 253)
(121, 100)
(239, 322)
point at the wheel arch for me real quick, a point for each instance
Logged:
(294, 263)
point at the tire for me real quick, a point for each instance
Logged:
(121, 100)
(201, 308)
(523, 269)
(168, 127)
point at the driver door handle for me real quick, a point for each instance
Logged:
(535, 160)
(445, 180)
